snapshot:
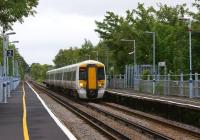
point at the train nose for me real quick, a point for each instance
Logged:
(92, 93)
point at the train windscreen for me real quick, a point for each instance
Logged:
(100, 73)
(82, 74)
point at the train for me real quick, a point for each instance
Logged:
(85, 80)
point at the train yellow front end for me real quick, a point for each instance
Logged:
(92, 81)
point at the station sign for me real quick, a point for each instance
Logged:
(10, 53)
(162, 64)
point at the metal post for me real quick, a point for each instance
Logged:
(8, 73)
(154, 72)
(13, 63)
(165, 80)
(1, 86)
(181, 84)
(124, 80)
(134, 53)
(97, 56)
(132, 77)
(134, 63)
(107, 63)
(190, 55)
(154, 65)
(168, 84)
(4, 68)
(196, 85)
(126, 77)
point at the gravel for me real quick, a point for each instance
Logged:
(79, 128)
(169, 131)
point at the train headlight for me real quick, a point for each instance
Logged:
(100, 84)
(82, 84)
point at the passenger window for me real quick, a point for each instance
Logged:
(82, 74)
(100, 73)
(65, 76)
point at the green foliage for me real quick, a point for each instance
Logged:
(23, 66)
(172, 39)
(14, 10)
(38, 71)
(71, 55)
(171, 36)
(145, 75)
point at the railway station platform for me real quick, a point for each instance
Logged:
(170, 100)
(179, 109)
(26, 116)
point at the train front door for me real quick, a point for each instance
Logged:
(92, 78)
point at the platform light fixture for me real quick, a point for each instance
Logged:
(189, 21)
(154, 65)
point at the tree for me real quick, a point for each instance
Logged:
(73, 54)
(15, 10)
(38, 71)
(171, 36)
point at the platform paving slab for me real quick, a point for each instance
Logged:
(40, 124)
(11, 115)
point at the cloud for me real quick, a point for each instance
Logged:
(44, 35)
(97, 8)
(60, 24)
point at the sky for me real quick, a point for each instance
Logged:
(60, 24)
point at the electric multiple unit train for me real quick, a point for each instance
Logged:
(85, 80)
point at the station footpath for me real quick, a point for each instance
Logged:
(26, 116)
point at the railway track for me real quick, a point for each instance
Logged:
(144, 130)
(100, 125)
(164, 123)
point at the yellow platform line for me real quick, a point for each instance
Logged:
(25, 127)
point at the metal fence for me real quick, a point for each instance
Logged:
(7, 84)
(177, 85)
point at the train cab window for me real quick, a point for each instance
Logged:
(100, 73)
(82, 73)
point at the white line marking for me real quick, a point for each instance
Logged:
(163, 97)
(58, 122)
(148, 98)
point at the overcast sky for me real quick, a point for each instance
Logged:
(60, 24)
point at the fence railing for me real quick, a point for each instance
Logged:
(7, 84)
(177, 85)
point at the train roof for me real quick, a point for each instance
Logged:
(77, 64)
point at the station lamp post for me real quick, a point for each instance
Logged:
(97, 54)
(134, 55)
(13, 59)
(154, 65)
(5, 37)
(5, 46)
(134, 49)
(190, 54)
(16, 64)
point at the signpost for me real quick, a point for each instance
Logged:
(10, 53)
